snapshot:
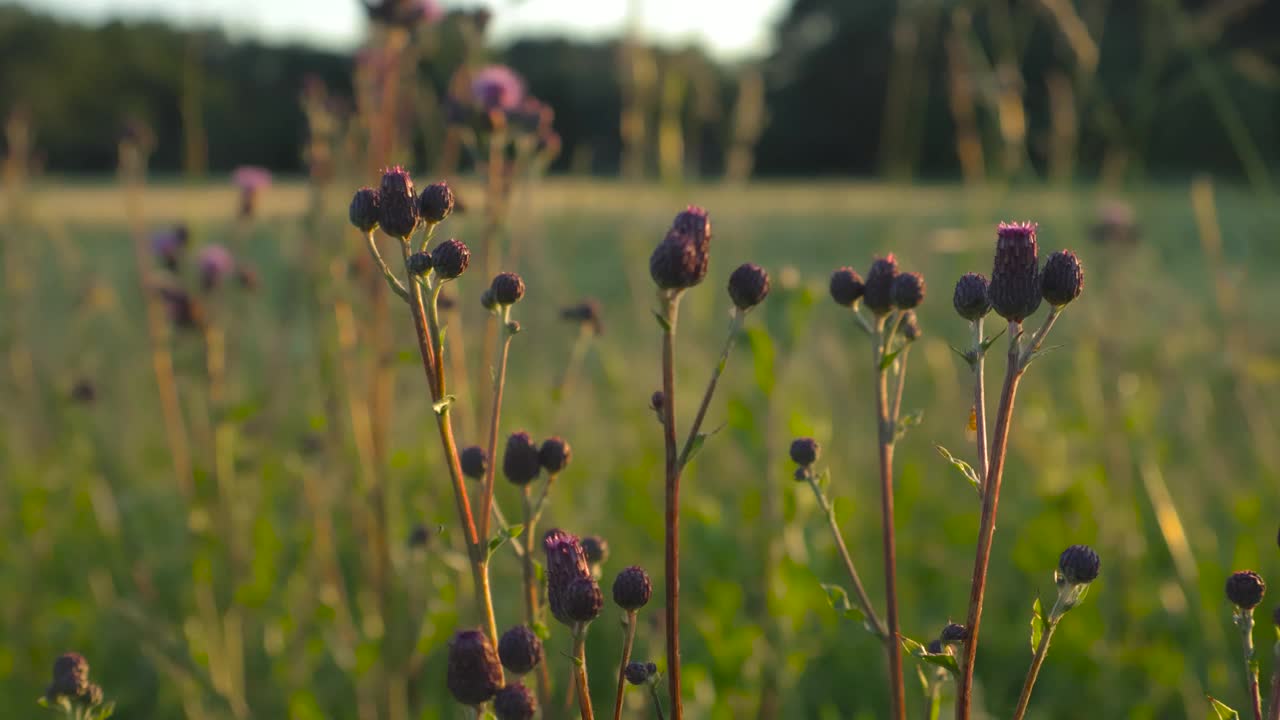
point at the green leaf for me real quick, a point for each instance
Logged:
(838, 598)
(442, 406)
(1221, 710)
(945, 661)
(1037, 625)
(506, 534)
(662, 321)
(541, 630)
(965, 468)
(963, 355)
(986, 344)
(1042, 351)
(887, 360)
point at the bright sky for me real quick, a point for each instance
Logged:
(730, 28)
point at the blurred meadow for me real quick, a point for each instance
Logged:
(280, 569)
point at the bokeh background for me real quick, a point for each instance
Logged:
(209, 547)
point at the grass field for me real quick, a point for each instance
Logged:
(1150, 435)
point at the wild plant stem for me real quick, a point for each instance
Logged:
(580, 671)
(987, 526)
(1037, 660)
(935, 700)
(657, 702)
(1244, 618)
(627, 641)
(499, 383)
(1273, 713)
(670, 312)
(980, 397)
(896, 411)
(531, 590)
(864, 602)
(886, 432)
(735, 326)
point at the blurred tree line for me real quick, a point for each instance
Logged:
(935, 88)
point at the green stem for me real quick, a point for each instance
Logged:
(1037, 660)
(1244, 619)
(657, 701)
(864, 602)
(499, 384)
(393, 282)
(735, 326)
(627, 641)
(980, 397)
(884, 422)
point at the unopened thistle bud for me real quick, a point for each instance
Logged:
(638, 673)
(954, 634)
(554, 455)
(520, 649)
(487, 300)
(474, 461)
(748, 286)
(846, 286)
(632, 588)
(910, 326)
(584, 600)
(397, 205)
(566, 567)
(908, 290)
(450, 259)
(1079, 565)
(970, 299)
(419, 264)
(596, 549)
(436, 202)
(1062, 279)
(935, 647)
(1015, 275)
(419, 536)
(70, 677)
(515, 702)
(507, 288)
(677, 264)
(657, 400)
(364, 210)
(878, 292)
(520, 462)
(694, 221)
(804, 451)
(474, 674)
(1245, 589)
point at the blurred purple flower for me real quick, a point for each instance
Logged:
(497, 87)
(216, 264)
(168, 245)
(251, 180)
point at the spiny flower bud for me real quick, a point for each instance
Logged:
(638, 673)
(935, 647)
(436, 202)
(804, 451)
(748, 286)
(566, 564)
(419, 264)
(846, 286)
(474, 674)
(694, 221)
(554, 455)
(364, 210)
(520, 461)
(507, 288)
(908, 290)
(583, 601)
(954, 633)
(596, 549)
(515, 702)
(397, 205)
(1245, 589)
(474, 461)
(450, 259)
(520, 649)
(1015, 275)
(1079, 564)
(677, 264)
(878, 292)
(1062, 279)
(970, 299)
(910, 326)
(70, 677)
(632, 588)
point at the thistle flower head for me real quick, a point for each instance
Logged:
(520, 462)
(970, 298)
(507, 288)
(632, 588)
(450, 259)
(953, 634)
(748, 286)
(878, 291)
(70, 676)
(216, 264)
(497, 87)
(554, 455)
(515, 702)
(566, 565)
(1245, 589)
(638, 673)
(474, 674)
(1062, 279)
(596, 549)
(695, 222)
(474, 461)
(804, 451)
(397, 203)
(678, 263)
(846, 286)
(935, 647)
(657, 400)
(1079, 565)
(250, 178)
(365, 209)
(1015, 275)
(520, 649)
(907, 290)
(436, 202)
(419, 264)
(583, 601)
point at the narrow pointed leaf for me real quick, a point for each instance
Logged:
(965, 468)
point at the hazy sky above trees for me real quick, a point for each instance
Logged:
(729, 28)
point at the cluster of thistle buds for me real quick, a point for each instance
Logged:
(1018, 284)
(1245, 590)
(72, 694)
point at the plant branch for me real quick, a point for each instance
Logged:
(1037, 660)
(627, 641)
(886, 432)
(1244, 619)
(499, 384)
(980, 398)
(860, 592)
(580, 671)
(393, 282)
(690, 443)
(670, 312)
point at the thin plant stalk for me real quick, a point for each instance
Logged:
(886, 425)
(980, 398)
(1273, 713)
(580, 671)
(690, 444)
(860, 593)
(670, 312)
(531, 599)
(499, 384)
(1244, 619)
(627, 642)
(1037, 660)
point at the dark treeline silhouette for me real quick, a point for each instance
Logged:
(937, 89)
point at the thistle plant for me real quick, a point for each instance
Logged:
(1245, 590)
(631, 592)
(575, 600)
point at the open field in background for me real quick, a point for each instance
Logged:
(1151, 435)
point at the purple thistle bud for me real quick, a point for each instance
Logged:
(954, 633)
(520, 649)
(804, 451)
(1015, 275)
(450, 259)
(554, 455)
(908, 290)
(583, 601)
(365, 209)
(474, 674)
(397, 204)
(515, 702)
(507, 288)
(677, 263)
(846, 286)
(878, 292)
(632, 588)
(596, 549)
(436, 202)
(566, 565)
(748, 286)
(419, 264)
(1079, 564)
(695, 222)
(216, 264)
(497, 87)
(657, 400)
(520, 462)
(1245, 589)
(474, 462)
(638, 673)
(1062, 279)
(970, 298)
(70, 677)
